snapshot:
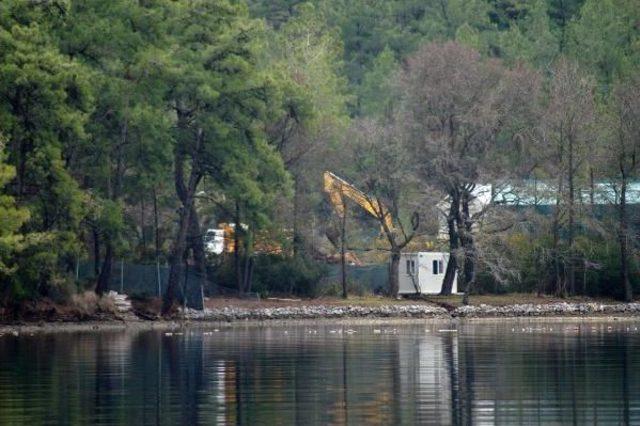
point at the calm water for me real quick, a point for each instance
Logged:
(533, 373)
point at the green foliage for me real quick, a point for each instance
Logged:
(354, 288)
(561, 13)
(46, 100)
(29, 261)
(308, 109)
(531, 39)
(304, 59)
(283, 275)
(370, 26)
(504, 13)
(12, 218)
(213, 75)
(376, 91)
(276, 12)
(43, 116)
(277, 275)
(129, 149)
(532, 260)
(608, 30)
(103, 104)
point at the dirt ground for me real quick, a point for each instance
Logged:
(221, 302)
(452, 301)
(513, 299)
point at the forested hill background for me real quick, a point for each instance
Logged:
(375, 36)
(129, 127)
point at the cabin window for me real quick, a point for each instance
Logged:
(441, 266)
(435, 267)
(411, 267)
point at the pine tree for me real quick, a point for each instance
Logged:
(218, 99)
(43, 115)
(608, 30)
(12, 218)
(130, 142)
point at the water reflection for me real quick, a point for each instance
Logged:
(482, 374)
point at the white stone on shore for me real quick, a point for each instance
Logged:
(315, 311)
(231, 313)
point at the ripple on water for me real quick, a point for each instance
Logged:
(481, 373)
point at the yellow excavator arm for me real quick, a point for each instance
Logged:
(337, 188)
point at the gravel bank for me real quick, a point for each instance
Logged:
(317, 311)
(230, 314)
(550, 309)
(397, 313)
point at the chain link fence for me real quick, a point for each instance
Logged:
(366, 279)
(150, 280)
(146, 280)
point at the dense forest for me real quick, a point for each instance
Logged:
(130, 127)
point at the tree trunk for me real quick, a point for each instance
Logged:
(236, 250)
(623, 234)
(468, 246)
(557, 279)
(343, 263)
(452, 265)
(143, 236)
(96, 250)
(450, 273)
(113, 192)
(571, 270)
(197, 246)
(22, 167)
(557, 276)
(297, 237)
(248, 273)
(176, 261)
(107, 266)
(592, 188)
(248, 261)
(469, 275)
(186, 195)
(394, 270)
(157, 241)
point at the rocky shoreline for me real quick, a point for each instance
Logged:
(317, 311)
(230, 314)
(548, 309)
(396, 313)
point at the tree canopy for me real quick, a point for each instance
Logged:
(131, 128)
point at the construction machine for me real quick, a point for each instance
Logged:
(337, 188)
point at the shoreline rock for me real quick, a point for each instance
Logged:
(230, 314)
(549, 309)
(233, 315)
(317, 311)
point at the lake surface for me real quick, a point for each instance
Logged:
(484, 373)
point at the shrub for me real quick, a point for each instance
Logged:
(287, 275)
(276, 274)
(354, 288)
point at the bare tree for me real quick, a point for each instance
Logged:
(463, 114)
(623, 148)
(306, 55)
(567, 142)
(385, 176)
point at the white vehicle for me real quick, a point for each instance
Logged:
(214, 241)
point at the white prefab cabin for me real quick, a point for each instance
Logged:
(423, 272)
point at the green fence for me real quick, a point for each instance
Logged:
(371, 278)
(151, 281)
(146, 280)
